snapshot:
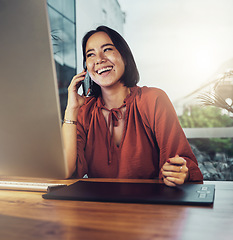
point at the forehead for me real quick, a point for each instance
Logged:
(98, 40)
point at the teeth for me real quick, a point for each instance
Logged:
(104, 69)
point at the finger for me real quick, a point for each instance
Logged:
(183, 168)
(176, 181)
(174, 174)
(175, 167)
(169, 183)
(76, 82)
(78, 77)
(176, 160)
(172, 168)
(175, 177)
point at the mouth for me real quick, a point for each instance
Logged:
(104, 70)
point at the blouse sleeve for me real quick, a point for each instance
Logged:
(171, 140)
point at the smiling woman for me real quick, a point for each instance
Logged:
(103, 61)
(114, 42)
(122, 130)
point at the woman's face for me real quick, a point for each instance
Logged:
(104, 62)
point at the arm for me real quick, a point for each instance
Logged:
(177, 161)
(75, 101)
(161, 118)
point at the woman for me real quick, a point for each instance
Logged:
(123, 131)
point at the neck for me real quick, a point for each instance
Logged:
(114, 98)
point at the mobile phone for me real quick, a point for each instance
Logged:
(86, 83)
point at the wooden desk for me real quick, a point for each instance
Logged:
(27, 216)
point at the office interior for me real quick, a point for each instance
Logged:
(209, 129)
(26, 215)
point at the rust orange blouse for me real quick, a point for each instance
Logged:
(151, 135)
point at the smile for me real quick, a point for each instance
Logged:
(105, 69)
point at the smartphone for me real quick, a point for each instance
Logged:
(86, 83)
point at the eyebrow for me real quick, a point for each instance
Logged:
(104, 45)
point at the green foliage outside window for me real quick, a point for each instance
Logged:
(198, 117)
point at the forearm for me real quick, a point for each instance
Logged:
(70, 140)
(69, 130)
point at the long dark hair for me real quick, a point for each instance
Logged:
(131, 76)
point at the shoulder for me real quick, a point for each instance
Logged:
(153, 104)
(150, 95)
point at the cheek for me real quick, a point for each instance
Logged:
(89, 65)
(121, 65)
(92, 77)
(117, 58)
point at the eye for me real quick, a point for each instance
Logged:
(107, 49)
(89, 55)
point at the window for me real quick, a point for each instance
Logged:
(63, 34)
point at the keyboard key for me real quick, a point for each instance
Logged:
(202, 195)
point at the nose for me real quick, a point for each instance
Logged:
(100, 58)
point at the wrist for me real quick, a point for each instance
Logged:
(67, 121)
(71, 114)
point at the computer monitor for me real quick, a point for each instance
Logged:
(30, 125)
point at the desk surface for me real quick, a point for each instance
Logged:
(26, 215)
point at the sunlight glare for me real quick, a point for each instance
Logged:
(204, 61)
